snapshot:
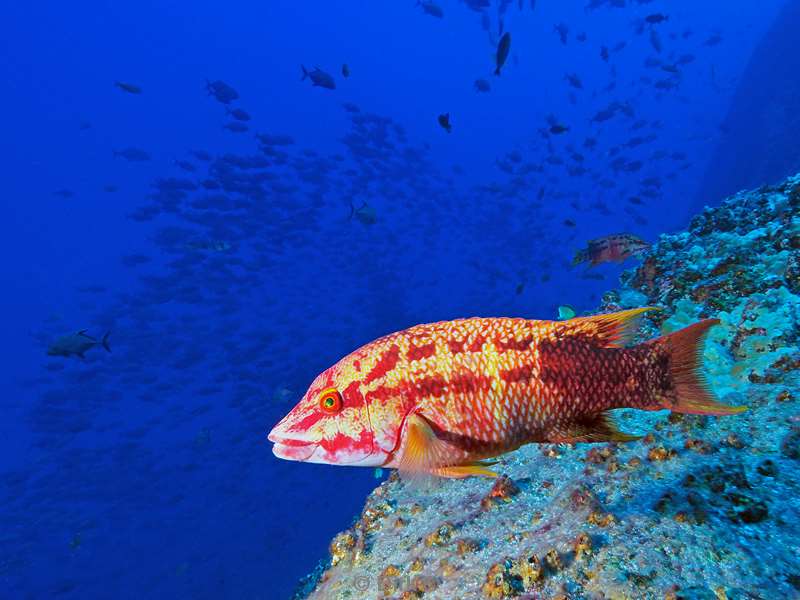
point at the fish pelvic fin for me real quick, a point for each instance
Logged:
(426, 455)
(305, 72)
(690, 391)
(597, 428)
(612, 330)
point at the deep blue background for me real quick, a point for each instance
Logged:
(146, 472)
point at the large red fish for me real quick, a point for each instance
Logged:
(440, 398)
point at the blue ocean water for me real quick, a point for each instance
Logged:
(234, 247)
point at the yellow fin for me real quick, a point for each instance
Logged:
(461, 471)
(599, 428)
(423, 452)
(613, 330)
(425, 455)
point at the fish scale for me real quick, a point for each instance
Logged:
(442, 397)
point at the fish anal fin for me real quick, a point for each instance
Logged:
(597, 428)
(462, 471)
(612, 330)
(424, 453)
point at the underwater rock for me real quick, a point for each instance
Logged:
(680, 513)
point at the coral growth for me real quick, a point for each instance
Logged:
(698, 508)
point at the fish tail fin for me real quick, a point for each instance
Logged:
(580, 257)
(690, 393)
(105, 342)
(497, 71)
(305, 72)
(352, 211)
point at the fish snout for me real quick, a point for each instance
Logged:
(291, 445)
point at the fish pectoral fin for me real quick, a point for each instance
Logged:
(599, 428)
(468, 470)
(613, 330)
(424, 453)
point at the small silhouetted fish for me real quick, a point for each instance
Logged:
(76, 344)
(319, 78)
(713, 40)
(364, 214)
(132, 154)
(345, 71)
(238, 114)
(569, 223)
(520, 288)
(222, 91)
(236, 127)
(128, 87)
(558, 128)
(201, 155)
(581, 37)
(110, 188)
(481, 85)
(186, 165)
(503, 48)
(350, 107)
(655, 40)
(444, 121)
(656, 18)
(563, 32)
(604, 53)
(431, 8)
(574, 80)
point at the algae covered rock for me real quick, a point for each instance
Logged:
(697, 508)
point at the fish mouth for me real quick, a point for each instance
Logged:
(291, 448)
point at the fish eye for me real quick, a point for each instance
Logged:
(330, 401)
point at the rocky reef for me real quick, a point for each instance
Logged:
(699, 508)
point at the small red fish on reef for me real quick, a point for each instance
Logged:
(439, 399)
(612, 248)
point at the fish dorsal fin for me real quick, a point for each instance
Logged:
(613, 330)
(597, 428)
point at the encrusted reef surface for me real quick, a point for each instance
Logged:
(701, 507)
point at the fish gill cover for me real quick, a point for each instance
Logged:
(208, 206)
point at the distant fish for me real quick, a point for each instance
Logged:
(656, 18)
(574, 80)
(444, 122)
(431, 8)
(481, 85)
(128, 87)
(186, 165)
(282, 394)
(319, 78)
(503, 48)
(238, 114)
(222, 91)
(64, 193)
(612, 248)
(76, 344)
(132, 154)
(201, 155)
(364, 214)
(565, 311)
(345, 71)
(236, 127)
(563, 32)
(441, 398)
